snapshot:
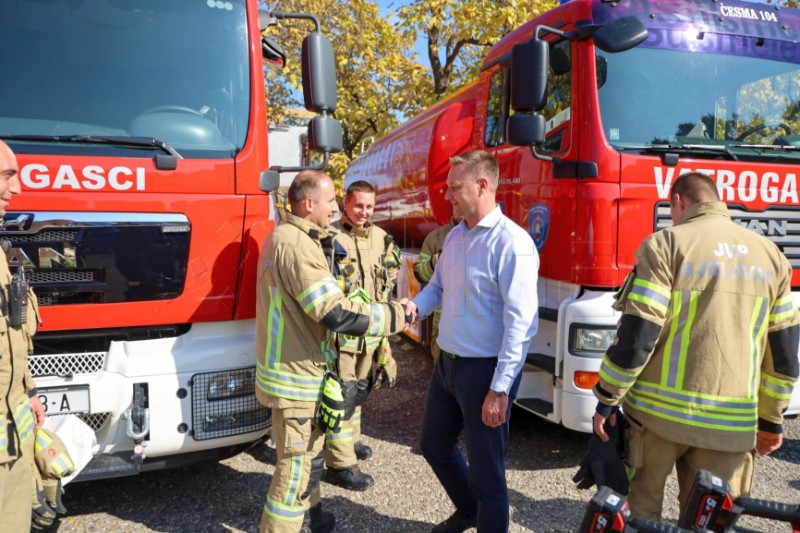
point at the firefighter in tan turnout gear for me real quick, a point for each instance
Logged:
(21, 411)
(369, 271)
(300, 309)
(705, 357)
(426, 264)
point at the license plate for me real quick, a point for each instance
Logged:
(65, 400)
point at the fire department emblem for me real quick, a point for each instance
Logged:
(539, 224)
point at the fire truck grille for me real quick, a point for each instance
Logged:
(779, 224)
(60, 276)
(48, 236)
(66, 364)
(215, 414)
(96, 421)
(78, 258)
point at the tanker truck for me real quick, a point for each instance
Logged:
(592, 110)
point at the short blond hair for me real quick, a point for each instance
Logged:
(479, 163)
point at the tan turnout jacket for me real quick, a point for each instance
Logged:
(299, 307)
(706, 348)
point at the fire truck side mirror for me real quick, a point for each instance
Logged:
(319, 74)
(325, 134)
(525, 129)
(619, 35)
(530, 63)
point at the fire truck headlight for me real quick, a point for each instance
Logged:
(231, 384)
(592, 339)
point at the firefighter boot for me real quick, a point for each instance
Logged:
(349, 478)
(318, 521)
(363, 452)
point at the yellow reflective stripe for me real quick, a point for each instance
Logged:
(758, 327)
(283, 512)
(288, 385)
(348, 342)
(274, 329)
(780, 389)
(615, 375)
(717, 421)
(670, 350)
(23, 420)
(3, 436)
(650, 294)
(317, 293)
(680, 368)
(782, 309)
(424, 266)
(693, 401)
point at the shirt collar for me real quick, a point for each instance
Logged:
(490, 220)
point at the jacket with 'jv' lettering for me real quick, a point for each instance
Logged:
(706, 348)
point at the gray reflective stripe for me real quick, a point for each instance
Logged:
(23, 419)
(319, 291)
(284, 512)
(748, 405)
(656, 296)
(715, 421)
(616, 378)
(341, 436)
(295, 480)
(783, 309)
(378, 318)
(274, 329)
(684, 306)
(292, 387)
(776, 388)
(758, 328)
(788, 306)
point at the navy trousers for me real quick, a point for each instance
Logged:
(455, 399)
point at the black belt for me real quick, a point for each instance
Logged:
(451, 355)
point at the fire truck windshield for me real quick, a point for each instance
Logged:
(744, 106)
(174, 71)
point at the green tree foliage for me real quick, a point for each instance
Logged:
(460, 32)
(378, 79)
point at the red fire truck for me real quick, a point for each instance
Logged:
(592, 110)
(141, 133)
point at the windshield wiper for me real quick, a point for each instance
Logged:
(662, 148)
(98, 139)
(773, 147)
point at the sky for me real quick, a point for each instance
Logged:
(388, 7)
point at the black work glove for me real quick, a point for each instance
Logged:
(604, 463)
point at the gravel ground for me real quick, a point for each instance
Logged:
(227, 496)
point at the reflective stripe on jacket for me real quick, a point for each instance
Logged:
(15, 380)
(377, 264)
(299, 306)
(706, 348)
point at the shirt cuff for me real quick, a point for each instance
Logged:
(604, 410)
(501, 383)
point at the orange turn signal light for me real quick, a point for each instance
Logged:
(585, 380)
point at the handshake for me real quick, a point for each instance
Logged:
(410, 311)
